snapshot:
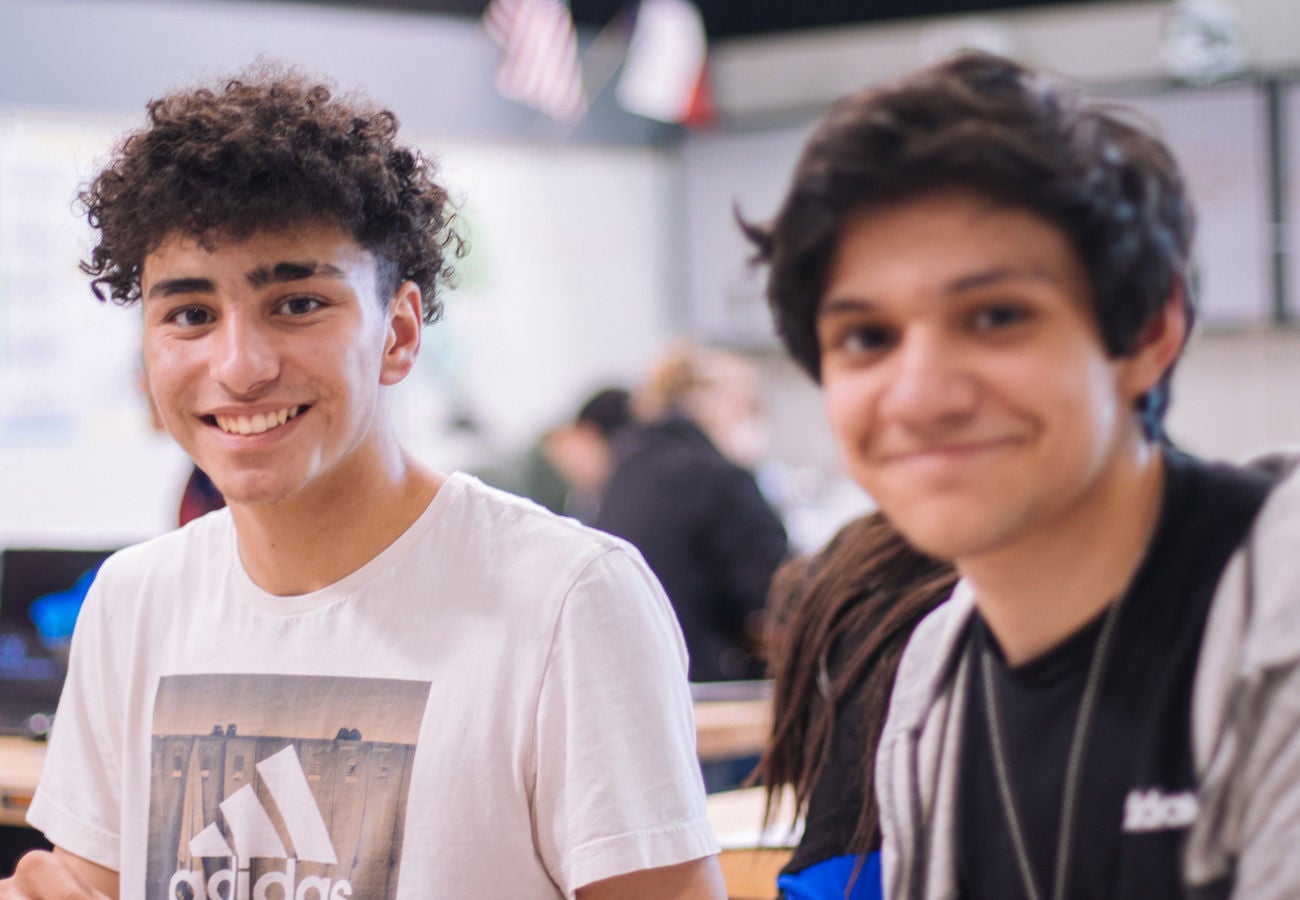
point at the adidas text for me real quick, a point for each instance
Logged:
(1152, 810)
(312, 887)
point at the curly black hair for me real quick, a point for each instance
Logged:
(270, 151)
(987, 125)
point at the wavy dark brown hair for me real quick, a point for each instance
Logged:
(1008, 134)
(839, 622)
(269, 151)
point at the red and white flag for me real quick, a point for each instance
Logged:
(664, 76)
(539, 56)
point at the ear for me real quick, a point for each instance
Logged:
(402, 338)
(1158, 346)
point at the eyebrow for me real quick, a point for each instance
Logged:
(281, 272)
(170, 286)
(969, 282)
(994, 275)
(291, 271)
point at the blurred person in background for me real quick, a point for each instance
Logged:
(682, 492)
(837, 624)
(583, 453)
(565, 469)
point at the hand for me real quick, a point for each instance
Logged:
(41, 875)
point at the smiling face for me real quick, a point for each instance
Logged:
(965, 378)
(265, 359)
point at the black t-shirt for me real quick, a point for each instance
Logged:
(1137, 785)
(835, 801)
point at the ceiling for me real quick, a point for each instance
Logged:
(737, 18)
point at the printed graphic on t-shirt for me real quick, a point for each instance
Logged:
(280, 786)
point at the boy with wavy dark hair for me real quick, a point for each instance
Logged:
(988, 277)
(363, 678)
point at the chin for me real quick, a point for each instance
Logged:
(939, 545)
(948, 535)
(242, 492)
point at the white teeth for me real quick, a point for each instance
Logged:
(258, 422)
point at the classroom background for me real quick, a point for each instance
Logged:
(596, 242)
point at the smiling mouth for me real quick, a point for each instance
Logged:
(256, 423)
(950, 451)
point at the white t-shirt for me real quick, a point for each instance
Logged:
(495, 706)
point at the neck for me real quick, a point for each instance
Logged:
(1037, 593)
(307, 543)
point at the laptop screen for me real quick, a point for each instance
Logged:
(28, 575)
(40, 593)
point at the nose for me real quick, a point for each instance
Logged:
(245, 359)
(931, 386)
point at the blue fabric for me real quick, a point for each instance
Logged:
(826, 880)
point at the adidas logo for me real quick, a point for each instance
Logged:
(1153, 810)
(253, 834)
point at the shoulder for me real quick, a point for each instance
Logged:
(553, 569)
(186, 553)
(470, 504)
(1268, 574)
(1254, 621)
(928, 659)
(1281, 511)
(504, 532)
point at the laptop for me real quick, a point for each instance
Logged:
(40, 592)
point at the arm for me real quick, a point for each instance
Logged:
(46, 876)
(617, 789)
(1268, 798)
(699, 879)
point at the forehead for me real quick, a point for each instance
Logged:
(256, 257)
(947, 242)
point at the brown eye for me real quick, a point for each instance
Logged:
(997, 316)
(190, 317)
(868, 339)
(300, 306)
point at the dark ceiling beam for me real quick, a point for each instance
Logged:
(742, 18)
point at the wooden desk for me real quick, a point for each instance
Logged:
(729, 729)
(20, 768)
(732, 718)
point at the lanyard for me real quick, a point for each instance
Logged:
(1069, 792)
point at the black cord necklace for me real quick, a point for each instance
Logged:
(1074, 763)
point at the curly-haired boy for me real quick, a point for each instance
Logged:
(364, 678)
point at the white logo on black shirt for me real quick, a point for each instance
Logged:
(1153, 810)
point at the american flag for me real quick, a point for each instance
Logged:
(539, 56)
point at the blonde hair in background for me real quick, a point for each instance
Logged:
(716, 389)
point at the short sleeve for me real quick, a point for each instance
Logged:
(77, 804)
(617, 781)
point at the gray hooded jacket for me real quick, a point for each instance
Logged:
(1245, 722)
